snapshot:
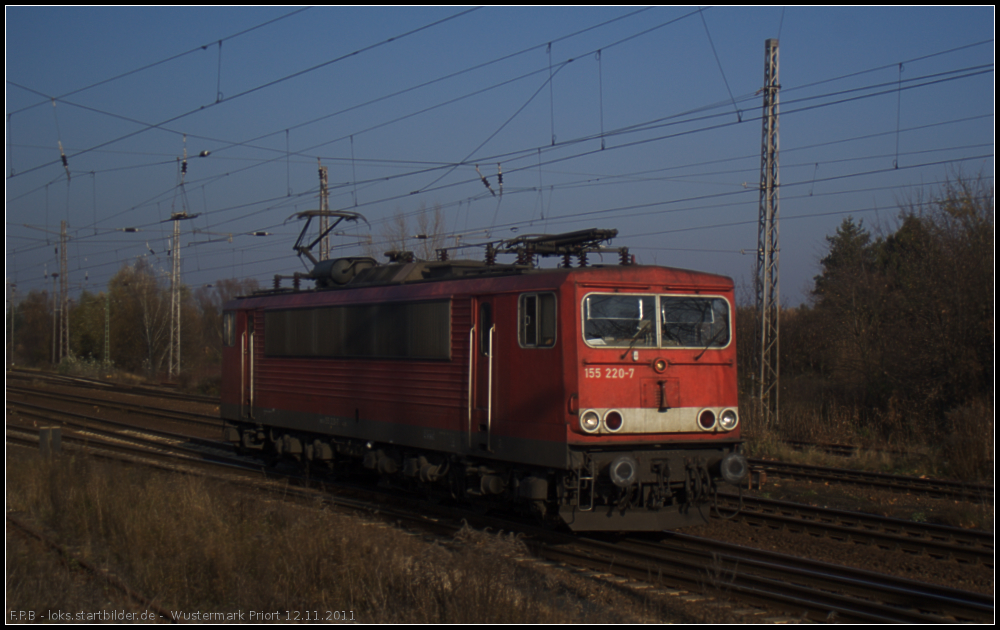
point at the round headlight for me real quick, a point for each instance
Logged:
(706, 419)
(613, 420)
(728, 420)
(590, 421)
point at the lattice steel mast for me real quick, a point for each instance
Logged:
(324, 206)
(766, 282)
(64, 349)
(175, 276)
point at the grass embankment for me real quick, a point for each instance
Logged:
(197, 545)
(962, 448)
(192, 544)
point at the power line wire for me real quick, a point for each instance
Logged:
(264, 86)
(705, 129)
(156, 63)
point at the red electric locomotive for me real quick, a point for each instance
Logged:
(601, 396)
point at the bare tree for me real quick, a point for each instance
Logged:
(140, 317)
(430, 231)
(210, 301)
(424, 241)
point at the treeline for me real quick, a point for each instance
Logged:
(133, 315)
(899, 331)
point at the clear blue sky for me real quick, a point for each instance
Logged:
(644, 120)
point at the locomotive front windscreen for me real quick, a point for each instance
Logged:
(616, 320)
(619, 320)
(694, 322)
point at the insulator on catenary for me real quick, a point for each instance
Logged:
(65, 162)
(184, 160)
(485, 182)
(500, 178)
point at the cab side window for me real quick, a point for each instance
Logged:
(537, 320)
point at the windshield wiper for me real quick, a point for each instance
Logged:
(711, 341)
(644, 326)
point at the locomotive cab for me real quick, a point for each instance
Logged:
(657, 425)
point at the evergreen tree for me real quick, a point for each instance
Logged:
(905, 322)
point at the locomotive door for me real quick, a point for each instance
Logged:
(482, 372)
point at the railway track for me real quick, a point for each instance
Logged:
(202, 420)
(91, 432)
(676, 563)
(841, 450)
(90, 383)
(814, 590)
(922, 539)
(899, 483)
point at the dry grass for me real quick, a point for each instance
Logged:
(969, 448)
(191, 544)
(38, 581)
(965, 452)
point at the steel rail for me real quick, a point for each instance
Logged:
(936, 541)
(79, 420)
(933, 487)
(89, 383)
(796, 585)
(801, 587)
(818, 590)
(175, 416)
